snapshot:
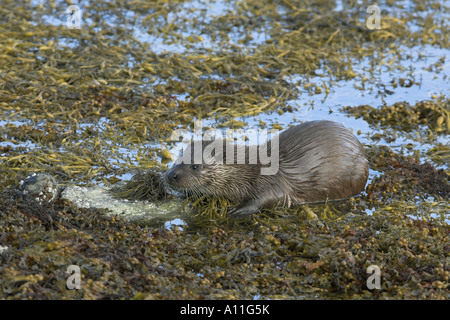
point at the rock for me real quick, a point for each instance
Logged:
(40, 186)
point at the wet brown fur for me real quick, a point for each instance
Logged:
(318, 160)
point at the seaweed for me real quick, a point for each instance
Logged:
(90, 105)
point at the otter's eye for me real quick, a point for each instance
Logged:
(194, 167)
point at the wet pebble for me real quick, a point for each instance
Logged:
(40, 186)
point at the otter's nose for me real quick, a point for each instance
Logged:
(172, 176)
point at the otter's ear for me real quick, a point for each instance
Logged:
(196, 167)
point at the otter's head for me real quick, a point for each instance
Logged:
(191, 179)
(209, 177)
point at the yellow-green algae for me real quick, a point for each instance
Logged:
(83, 99)
(143, 186)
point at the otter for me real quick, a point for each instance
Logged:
(318, 160)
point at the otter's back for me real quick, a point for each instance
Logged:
(322, 159)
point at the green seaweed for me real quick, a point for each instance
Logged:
(75, 103)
